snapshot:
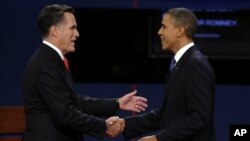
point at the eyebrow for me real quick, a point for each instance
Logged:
(163, 25)
(73, 26)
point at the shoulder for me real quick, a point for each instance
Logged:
(199, 62)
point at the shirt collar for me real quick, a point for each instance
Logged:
(181, 51)
(55, 48)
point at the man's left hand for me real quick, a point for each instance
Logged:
(130, 102)
(148, 138)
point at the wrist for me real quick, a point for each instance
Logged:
(117, 104)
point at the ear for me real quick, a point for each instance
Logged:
(181, 31)
(53, 31)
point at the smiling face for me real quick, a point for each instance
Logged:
(169, 34)
(65, 33)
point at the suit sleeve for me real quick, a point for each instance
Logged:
(57, 96)
(140, 124)
(98, 106)
(199, 92)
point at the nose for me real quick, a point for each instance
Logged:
(159, 31)
(77, 33)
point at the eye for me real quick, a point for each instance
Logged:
(163, 27)
(73, 27)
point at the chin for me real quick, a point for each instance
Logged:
(72, 49)
(164, 48)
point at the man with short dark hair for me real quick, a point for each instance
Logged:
(186, 112)
(54, 111)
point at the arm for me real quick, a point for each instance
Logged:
(108, 107)
(99, 106)
(140, 124)
(60, 102)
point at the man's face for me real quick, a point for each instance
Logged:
(168, 33)
(67, 33)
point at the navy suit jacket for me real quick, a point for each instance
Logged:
(54, 112)
(187, 109)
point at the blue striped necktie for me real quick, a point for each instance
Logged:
(172, 64)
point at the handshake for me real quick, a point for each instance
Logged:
(129, 102)
(114, 126)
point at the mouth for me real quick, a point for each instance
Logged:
(162, 39)
(73, 42)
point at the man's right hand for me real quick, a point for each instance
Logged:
(114, 126)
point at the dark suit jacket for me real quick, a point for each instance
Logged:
(54, 112)
(188, 103)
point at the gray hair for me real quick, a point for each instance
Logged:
(51, 15)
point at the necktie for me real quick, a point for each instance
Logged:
(172, 64)
(66, 63)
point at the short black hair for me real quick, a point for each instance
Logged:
(51, 15)
(184, 17)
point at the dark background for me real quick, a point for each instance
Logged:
(122, 45)
(113, 53)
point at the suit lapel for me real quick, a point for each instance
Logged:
(58, 60)
(170, 78)
(69, 79)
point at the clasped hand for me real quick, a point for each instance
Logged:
(114, 126)
(128, 102)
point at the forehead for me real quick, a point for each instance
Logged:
(167, 19)
(69, 18)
